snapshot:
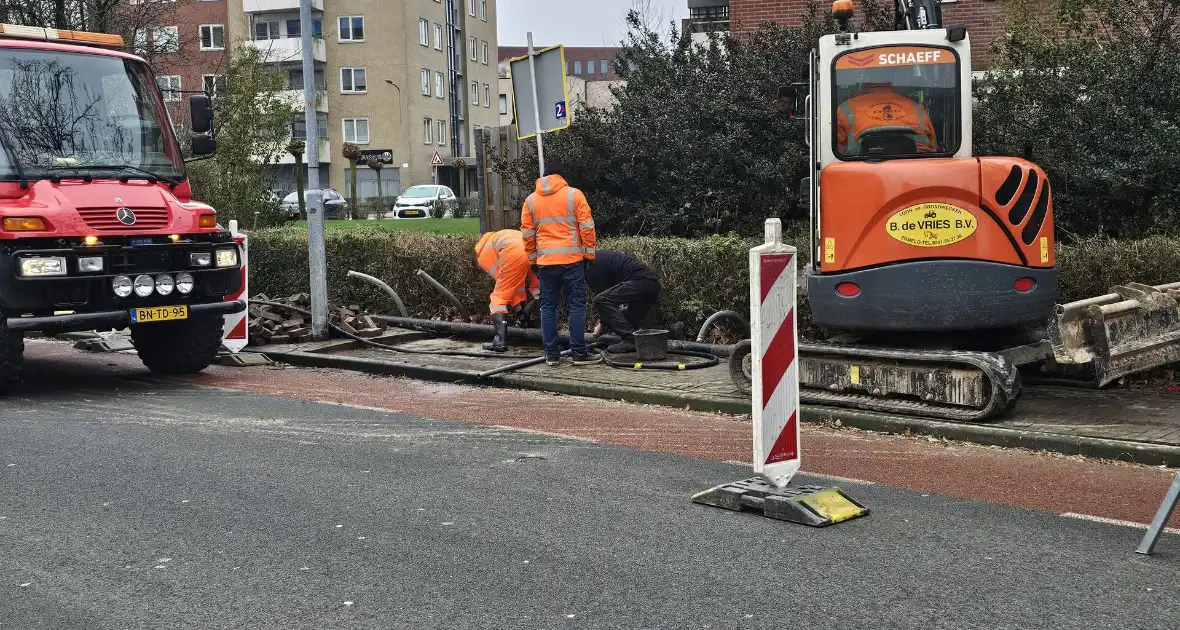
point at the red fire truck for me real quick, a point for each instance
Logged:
(98, 227)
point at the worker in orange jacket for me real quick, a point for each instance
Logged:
(560, 240)
(878, 106)
(501, 255)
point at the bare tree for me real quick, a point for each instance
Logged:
(654, 18)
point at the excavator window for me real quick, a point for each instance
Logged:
(902, 100)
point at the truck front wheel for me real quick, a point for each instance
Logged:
(183, 347)
(12, 349)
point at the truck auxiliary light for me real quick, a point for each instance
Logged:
(42, 267)
(227, 257)
(24, 224)
(91, 240)
(59, 35)
(207, 221)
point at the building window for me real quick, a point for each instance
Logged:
(266, 30)
(426, 83)
(212, 37)
(438, 37)
(438, 85)
(352, 81)
(603, 66)
(590, 67)
(474, 93)
(427, 131)
(294, 30)
(471, 43)
(424, 32)
(503, 104)
(299, 128)
(487, 95)
(471, 8)
(483, 53)
(352, 28)
(170, 86)
(212, 84)
(442, 133)
(483, 10)
(578, 67)
(166, 39)
(356, 130)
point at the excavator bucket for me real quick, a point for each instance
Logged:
(1134, 328)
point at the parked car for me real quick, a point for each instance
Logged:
(416, 201)
(331, 202)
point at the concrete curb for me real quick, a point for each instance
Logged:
(1146, 453)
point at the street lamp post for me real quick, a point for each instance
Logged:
(400, 134)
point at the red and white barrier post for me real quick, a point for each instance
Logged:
(774, 389)
(233, 333)
(774, 336)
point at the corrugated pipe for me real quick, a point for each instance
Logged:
(401, 308)
(445, 293)
(718, 316)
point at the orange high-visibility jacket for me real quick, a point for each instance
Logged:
(879, 106)
(502, 256)
(556, 222)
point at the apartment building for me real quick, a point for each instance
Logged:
(189, 50)
(985, 19)
(402, 80)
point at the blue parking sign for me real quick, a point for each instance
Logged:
(559, 110)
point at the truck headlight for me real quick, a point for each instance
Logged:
(164, 284)
(122, 286)
(90, 264)
(184, 282)
(227, 257)
(144, 285)
(200, 259)
(42, 267)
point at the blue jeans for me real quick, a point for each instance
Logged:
(572, 280)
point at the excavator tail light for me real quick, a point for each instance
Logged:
(848, 289)
(1024, 285)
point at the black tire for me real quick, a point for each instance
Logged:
(740, 368)
(185, 347)
(12, 350)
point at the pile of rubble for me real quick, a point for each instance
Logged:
(276, 325)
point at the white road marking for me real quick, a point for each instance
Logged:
(1114, 521)
(838, 478)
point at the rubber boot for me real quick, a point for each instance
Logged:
(500, 343)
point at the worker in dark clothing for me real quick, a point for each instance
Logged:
(625, 290)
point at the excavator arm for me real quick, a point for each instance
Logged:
(916, 15)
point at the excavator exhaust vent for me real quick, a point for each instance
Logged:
(1134, 328)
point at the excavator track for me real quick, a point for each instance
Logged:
(950, 385)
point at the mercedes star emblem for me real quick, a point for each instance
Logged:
(125, 216)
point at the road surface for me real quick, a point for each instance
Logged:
(251, 498)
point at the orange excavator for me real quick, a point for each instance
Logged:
(936, 265)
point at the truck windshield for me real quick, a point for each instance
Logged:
(900, 100)
(79, 115)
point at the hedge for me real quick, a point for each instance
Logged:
(699, 276)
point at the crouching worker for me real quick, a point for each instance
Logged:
(501, 255)
(625, 289)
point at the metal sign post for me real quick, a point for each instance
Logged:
(1161, 518)
(539, 76)
(775, 402)
(316, 255)
(233, 333)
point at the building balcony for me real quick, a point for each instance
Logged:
(274, 6)
(288, 49)
(295, 99)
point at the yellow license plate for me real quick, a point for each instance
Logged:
(158, 314)
(412, 213)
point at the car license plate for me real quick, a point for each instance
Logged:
(137, 242)
(158, 314)
(412, 213)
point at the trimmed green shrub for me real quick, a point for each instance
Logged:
(699, 276)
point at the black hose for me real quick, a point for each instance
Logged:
(403, 349)
(718, 316)
(397, 300)
(710, 361)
